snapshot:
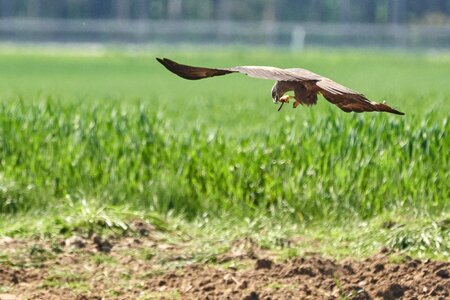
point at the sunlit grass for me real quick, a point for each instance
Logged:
(82, 135)
(332, 168)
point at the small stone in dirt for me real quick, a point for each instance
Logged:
(102, 245)
(8, 297)
(228, 279)
(263, 264)
(252, 296)
(75, 242)
(443, 273)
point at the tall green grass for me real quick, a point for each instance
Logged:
(332, 168)
(117, 128)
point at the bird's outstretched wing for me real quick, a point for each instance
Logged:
(194, 73)
(343, 97)
(348, 100)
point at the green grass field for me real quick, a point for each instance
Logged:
(99, 138)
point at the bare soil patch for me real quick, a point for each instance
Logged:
(312, 278)
(151, 268)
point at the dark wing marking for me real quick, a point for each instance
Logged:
(349, 100)
(345, 98)
(193, 73)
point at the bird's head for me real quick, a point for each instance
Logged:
(275, 96)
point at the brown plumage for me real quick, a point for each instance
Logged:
(305, 85)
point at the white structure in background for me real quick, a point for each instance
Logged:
(298, 38)
(225, 33)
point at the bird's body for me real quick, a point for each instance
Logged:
(305, 84)
(303, 93)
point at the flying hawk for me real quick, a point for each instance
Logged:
(305, 85)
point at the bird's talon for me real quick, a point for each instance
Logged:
(285, 99)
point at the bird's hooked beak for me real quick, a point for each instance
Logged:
(276, 99)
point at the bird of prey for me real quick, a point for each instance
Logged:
(305, 84)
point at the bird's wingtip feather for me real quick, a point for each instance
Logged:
(163, 59)
(394, 111)
(166, 61)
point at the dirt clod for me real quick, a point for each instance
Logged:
(102, 245)
(393, 291)
(443, 274)
(252, 296)
(143, 228)
(378, 267)
(318, 278)
(14, 279)
(243, 285)
(162, 283)
(263, 264)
